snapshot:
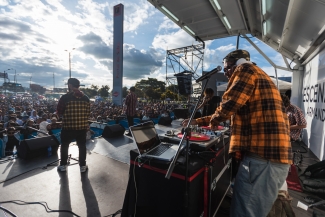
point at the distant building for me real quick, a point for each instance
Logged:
(60, 90)
(37, 88)
(13, 87)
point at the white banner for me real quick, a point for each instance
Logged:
(313, 97)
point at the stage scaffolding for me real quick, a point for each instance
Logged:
(185, 59)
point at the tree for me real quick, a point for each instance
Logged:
(169, 94)
(151, 87)
(89, 92)
(103, 91)
(124, 92)
(95, 87)
(173, 88)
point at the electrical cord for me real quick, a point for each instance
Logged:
(114, 214)
(135, 185)
(7, 211)
(44, 204)
(43, 168)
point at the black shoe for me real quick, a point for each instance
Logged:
(128, 134)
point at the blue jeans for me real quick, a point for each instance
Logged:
(256, 187)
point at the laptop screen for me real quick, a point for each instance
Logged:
(145, 136)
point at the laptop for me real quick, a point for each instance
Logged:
(149, 144)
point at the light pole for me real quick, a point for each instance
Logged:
(4, 78)
(15, 81)
(70, 61)
(53, 83)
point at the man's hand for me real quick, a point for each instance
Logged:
(213, 127)
(185, 122)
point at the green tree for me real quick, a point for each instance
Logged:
(95, 87)
(173, 88)
(152, 88)
(89, 92)
(103, 91)
(124, 92)
(169, 94)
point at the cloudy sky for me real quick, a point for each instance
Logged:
(34, 35)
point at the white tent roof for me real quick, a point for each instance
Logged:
(295, 28)
(283, 85)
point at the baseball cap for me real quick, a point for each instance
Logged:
(74, 82)
(237, 54)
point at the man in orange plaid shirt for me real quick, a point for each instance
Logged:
(260, 134)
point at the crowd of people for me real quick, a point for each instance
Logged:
(26, 115)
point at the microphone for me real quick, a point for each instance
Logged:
(207, 75)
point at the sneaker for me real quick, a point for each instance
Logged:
(128, 134)
(62, 168)
(83, 168)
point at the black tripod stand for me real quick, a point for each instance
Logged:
(187, 135)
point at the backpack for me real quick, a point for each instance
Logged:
(316, 170)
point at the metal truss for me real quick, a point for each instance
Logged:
(185, 59)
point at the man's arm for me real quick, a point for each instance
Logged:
(301, 122)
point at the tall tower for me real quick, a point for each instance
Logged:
(118, 54)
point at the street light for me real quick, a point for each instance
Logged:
(4, 80)
(15, 75)
(69, 61)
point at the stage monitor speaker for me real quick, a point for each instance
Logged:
(165, 121)
(113, 131)
(31, 148)
(181, 113)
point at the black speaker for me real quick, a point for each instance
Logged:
(165, 121)
(31, 148)
(113, 131)
(181, 113)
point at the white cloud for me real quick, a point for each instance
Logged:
(167, 25)
(3, 3)
(172, 40)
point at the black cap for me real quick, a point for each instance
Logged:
(74, 82)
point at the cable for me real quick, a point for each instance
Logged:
(45, 167)
(47, 209)
(114, 214)
(135, 185)
(8, 211)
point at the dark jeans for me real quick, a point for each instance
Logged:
(66, 138)
(130, 120)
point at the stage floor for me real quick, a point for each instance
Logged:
(98, 192)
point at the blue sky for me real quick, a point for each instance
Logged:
(35, 34)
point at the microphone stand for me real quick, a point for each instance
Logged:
(187, 135)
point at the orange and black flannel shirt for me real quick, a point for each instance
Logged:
(75, 111)
(259, 122)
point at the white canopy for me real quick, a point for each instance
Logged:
(283, 85)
